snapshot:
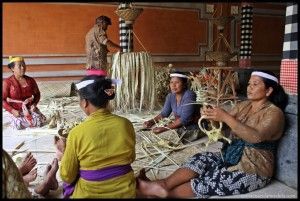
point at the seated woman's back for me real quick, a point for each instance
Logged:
(100, 150)
(103, 140)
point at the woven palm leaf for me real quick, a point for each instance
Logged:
(221, 57)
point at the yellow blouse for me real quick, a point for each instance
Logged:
(102, 140)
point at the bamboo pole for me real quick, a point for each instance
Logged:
(17, 148)
(32, 151)
(44, 131)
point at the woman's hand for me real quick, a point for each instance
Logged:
(16, 113)
(214, 113)
(149, 123)
(60, 143)
(158, 130)
(32, 108)
(28, 100)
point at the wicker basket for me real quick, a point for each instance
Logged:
(218, 55)
(129, 14)
(221, 57)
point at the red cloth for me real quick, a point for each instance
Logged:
(99, 72)
(12, 89)
(288, 75)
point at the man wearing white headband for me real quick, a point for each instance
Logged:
(247, 163)
(178, 102)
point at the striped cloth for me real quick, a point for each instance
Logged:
(126, 34)
(289, 62)
(246, 35)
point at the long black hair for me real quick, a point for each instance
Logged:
(278, 97)
(95, 92)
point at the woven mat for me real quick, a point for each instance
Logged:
(43, 140)
(55, 88)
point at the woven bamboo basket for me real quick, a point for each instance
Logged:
(221, 57)
(129, 14)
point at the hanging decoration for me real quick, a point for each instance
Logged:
(223, 52)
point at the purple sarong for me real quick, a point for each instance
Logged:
(96, 175)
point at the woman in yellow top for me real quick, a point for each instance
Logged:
(98, 152)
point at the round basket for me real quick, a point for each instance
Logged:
(129, 14)
(219, 55)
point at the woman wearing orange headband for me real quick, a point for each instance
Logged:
(20, 96)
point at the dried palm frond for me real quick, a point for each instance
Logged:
(137, 89)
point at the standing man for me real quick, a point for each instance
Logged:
(96, 45)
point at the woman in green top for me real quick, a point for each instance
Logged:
(98, 152)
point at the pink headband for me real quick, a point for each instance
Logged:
(96, 72)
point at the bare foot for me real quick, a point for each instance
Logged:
(50, 181)
(31, 176)
(28, 163)
(149, 188)
(53, 184)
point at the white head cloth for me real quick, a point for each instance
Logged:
(84, 83)
(265, 75)
(178, 75)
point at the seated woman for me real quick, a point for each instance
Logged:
(256, 126)
(20, 96)
(178, 102)
(13, 185)
(98, 153)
